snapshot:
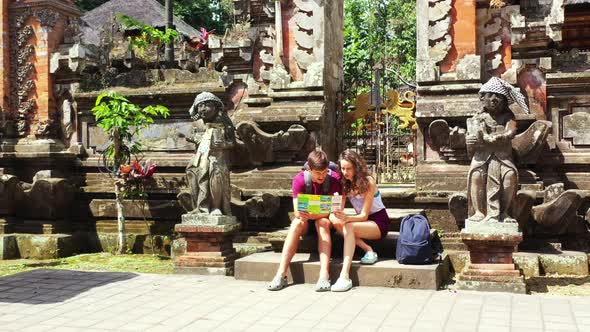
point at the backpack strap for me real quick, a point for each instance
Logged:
(307, 179)
(327, 185)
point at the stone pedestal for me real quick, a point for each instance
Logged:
(491, 266)
(206, 246)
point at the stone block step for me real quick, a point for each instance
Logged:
(35, 246)
(304, 268)
(246, 248)
(308, 244)
(535, 264)
(395, 216)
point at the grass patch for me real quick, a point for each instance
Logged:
(93, 262)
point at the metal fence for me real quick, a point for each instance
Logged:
(388, 150)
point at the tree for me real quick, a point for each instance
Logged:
(122, 121)
(210, 14)
(148, 35)
(378, 32)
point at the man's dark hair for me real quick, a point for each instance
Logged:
(317, 161)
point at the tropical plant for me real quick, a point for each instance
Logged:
(148, 35)
(378, 33)
(122, 121)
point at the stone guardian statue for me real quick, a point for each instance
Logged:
(208, 171)
(493, 176)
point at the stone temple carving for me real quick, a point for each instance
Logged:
(493, 176)
(262, 147)
(208, 172)
(496, 149)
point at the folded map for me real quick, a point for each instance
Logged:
(319, 204)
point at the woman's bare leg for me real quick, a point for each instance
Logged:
(353, 231)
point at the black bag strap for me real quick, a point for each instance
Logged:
(308, 185)
(326, 185)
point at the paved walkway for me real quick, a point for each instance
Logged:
(60, 300)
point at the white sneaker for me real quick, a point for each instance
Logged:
(323, 285)
(277, 283)
(341, 285)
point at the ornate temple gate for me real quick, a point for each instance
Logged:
(382, 128)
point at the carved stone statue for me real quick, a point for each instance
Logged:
(493, 176)
(208, 172)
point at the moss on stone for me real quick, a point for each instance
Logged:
(565, 263)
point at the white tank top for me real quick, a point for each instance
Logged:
(358, 202)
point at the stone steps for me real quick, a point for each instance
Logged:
(535, 264)
(385, 247)
(308, 243)
(304, 268)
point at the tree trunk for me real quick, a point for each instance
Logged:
(119, 195)
(120, 220)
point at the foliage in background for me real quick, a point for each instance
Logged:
(378, 32)
(122, 121)
(148, 35)
(209, 14)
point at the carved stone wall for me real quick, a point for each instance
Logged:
(530, 43)
(35, 30)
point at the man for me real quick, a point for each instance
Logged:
(317, 172)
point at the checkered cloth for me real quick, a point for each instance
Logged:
(201, 98)
(512, 94)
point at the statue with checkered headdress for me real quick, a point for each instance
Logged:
(493, 176)
(208, 171)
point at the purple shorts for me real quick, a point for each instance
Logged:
(382, 220)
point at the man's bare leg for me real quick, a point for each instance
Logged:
(324, 246)
(297, 228)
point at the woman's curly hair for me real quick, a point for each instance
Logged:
(360, 182)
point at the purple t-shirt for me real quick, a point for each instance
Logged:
(299, 185)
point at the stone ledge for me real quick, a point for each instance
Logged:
(534, 264)
(565, 263)
(304, 268)
(218, 271)
(489, 286)
(38, 246)
(202, 219)
(181, 228)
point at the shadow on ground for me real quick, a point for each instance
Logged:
(51, 286)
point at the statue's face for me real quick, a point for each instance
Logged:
(493, 103)
(208, 110)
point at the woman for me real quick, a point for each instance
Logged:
(370, 222)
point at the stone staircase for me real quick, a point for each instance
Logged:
(387, 272)
(384, 247)
(305, 268)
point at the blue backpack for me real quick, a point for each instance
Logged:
(414, 245)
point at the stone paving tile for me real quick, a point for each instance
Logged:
(97, 301)
(526, 324)
(393, 328)
(492, 328)
(560, 326)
